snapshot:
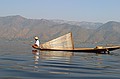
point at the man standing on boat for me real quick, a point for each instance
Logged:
(37, 43)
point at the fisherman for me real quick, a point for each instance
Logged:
(37, 43)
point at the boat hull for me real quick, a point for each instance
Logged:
(90, 50)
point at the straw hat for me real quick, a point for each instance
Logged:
(36, 37)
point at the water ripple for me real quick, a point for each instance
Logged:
(65, 65)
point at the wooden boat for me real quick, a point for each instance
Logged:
(65, 43)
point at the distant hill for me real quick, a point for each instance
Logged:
(108, 32)
(83, 24)
(20, 28)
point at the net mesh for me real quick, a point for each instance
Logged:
(64, 41)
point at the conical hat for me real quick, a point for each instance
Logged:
(36, 37)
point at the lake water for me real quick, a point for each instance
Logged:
(18, 61)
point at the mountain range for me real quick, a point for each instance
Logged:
(20, 28)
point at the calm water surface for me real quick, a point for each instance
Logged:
(18, 61)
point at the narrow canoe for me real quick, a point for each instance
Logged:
(97, 49)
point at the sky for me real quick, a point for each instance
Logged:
(71, 10)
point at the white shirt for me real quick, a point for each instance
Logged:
(37, 42)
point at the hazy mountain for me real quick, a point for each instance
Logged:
(108, 32)
(83, 24)
(18, 27)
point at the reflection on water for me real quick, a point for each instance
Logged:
(49, 55)
(53, 54)
(59, 65)
(74, 63)
(36, 59)
(52, 58)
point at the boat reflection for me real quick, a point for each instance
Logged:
(52, 61)
(36, 57)
(48, 55)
